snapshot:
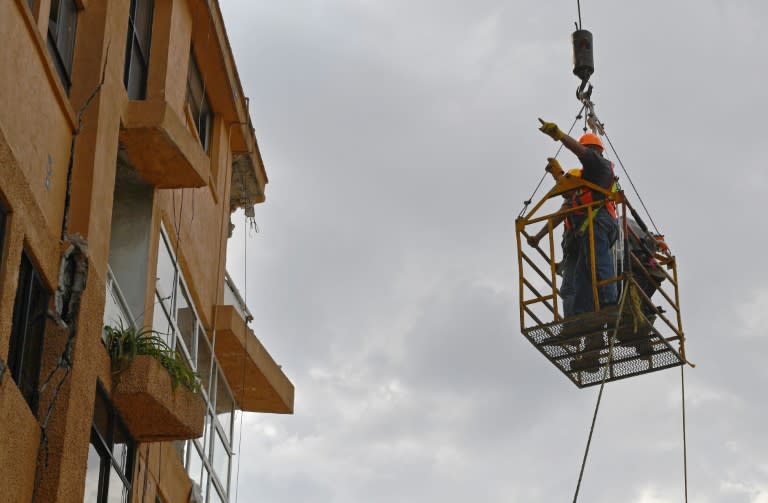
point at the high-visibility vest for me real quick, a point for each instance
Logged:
(584, 196)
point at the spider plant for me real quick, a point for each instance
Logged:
(125, 343)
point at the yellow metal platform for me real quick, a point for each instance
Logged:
(648, 333)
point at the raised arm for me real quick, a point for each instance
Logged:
(550, 129)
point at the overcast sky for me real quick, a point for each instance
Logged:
(400, 141)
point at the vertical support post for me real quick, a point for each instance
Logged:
(553, 270)
(677, 309)
(518, 229)
(626, 264)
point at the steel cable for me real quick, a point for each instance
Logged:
(639, 197)
(685, 447)
(527, 202)
(600, 394)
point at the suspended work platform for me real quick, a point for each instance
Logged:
(642, 334)
(635, 352)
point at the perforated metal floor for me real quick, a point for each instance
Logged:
(579, 347)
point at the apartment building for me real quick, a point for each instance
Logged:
(125, 146)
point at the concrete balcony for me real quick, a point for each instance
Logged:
(163, 150)
(257, 382)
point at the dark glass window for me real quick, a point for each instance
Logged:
(27, 330)
(110, 455)
(62, 25)
(198, 103)
(137, 49)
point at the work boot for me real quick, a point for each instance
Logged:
(588, 363)
(594, 341)
(644, 348)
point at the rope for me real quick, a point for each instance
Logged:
(527, 202)
(600, 394)
(631, 182)
(685, 447)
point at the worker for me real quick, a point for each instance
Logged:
(599, 171)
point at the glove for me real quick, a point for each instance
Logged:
(550, 129)
(554, 168)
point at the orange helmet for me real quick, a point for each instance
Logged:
(591, 139)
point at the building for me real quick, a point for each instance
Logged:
(125, 145)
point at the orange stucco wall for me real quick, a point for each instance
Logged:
(38, 122)
(35, 117)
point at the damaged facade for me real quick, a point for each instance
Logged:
(125, 146)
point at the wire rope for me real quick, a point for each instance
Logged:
(527, 202)
(685, 447)
(578, 6)
(637, 193)
(600, 394)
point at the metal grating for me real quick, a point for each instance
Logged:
(582, 341)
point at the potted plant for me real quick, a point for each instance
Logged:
(145, 386)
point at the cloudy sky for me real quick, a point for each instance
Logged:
(400, 141)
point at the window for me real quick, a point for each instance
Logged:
(27, 329)
(198, 103)
(62, 25)
(137, 49)
(110, 455)
(208, 459)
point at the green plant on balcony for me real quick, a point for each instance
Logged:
(125, 343)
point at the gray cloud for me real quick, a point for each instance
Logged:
(400, 142)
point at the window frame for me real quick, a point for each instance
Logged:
(202, 113)
(104, 443)
(61, 42)
(25, 349)
(135, 46)
(203, 447)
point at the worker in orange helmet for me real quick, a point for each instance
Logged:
(578, 280)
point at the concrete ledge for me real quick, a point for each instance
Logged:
(152, 410)
(164, 151)
(265, 388)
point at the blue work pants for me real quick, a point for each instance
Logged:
(576, 290)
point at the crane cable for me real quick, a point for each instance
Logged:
(626, 173)
(685, 446)
(578, 7)
(527, 202)
(600, 394)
